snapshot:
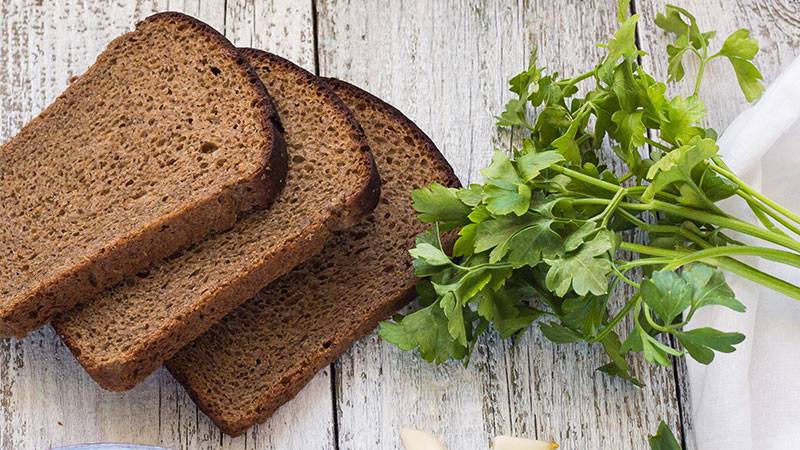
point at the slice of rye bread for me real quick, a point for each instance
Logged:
(332, 184)
(168, 137)
(259, 356)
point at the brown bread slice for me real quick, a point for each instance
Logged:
(331, 184)
(165, 139)
(262, 354)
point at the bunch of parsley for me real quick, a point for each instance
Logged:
(540, 239)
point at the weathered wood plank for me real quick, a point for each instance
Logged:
(776, 25)
(446, 64)
(284, 27)
(45, 397)
(42, 388)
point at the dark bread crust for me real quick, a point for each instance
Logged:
(291, 384)
(402, 120)
(128, 368)
(274, 173)
(361, 202)
(182, 227)
(308, 363)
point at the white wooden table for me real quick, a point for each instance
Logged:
(445, 64)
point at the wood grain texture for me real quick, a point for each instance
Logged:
(446, 64)
(46, 399)
(774, 23)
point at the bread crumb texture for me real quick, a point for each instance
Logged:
(165, 139)
(263, 353)
(129, 332)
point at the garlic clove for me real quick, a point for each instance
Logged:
(515, 443)
(419, 440)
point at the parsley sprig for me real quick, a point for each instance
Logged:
(542, 238)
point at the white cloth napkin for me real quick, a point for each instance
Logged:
(750, 399)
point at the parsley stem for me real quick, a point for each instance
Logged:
(726, 263)
(626, 176)
(720, 221)
(657, 144)
(622, 276)
(624, 267)
(651, 321)
(757, 276)
(621, 314)
(701, 68)
(747, 189)
(700, 216)
(609, 209)
(580, 77)
(611, 187)
(655, 228)
(783, 257)
(763, 214)
(605, 185)
(482, 266)
(683, 257)
(761, 211)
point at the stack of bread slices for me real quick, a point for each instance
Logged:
(218, 210)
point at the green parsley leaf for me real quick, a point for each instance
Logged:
(585, 313)
(465, 244)
(568, 147)
(618, 366)
(501, 170)
(531, 164)
(526, 247)
(668, 294)
(663, 439)
(550, 122)
(630, 131)
(654, 351)
(682, 113)
(559, 334)
(470, 196)
(427, 255)
(749, 78)
(495, 231)
(616, 371)
(740, 45)
(625, 87)
(575, 240)
(437, 203)
(425, 330)
(715, 186)
(677, 166)
(681, 22)
(430, 255)
(455, 318)
(623, 44)
(514, 114)
(740, 49)
(465, 287)
(709, 288)
(501, 200)
(675, 53)
(501, 308)
(505, 192)
(700, 342)
(584, 271)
